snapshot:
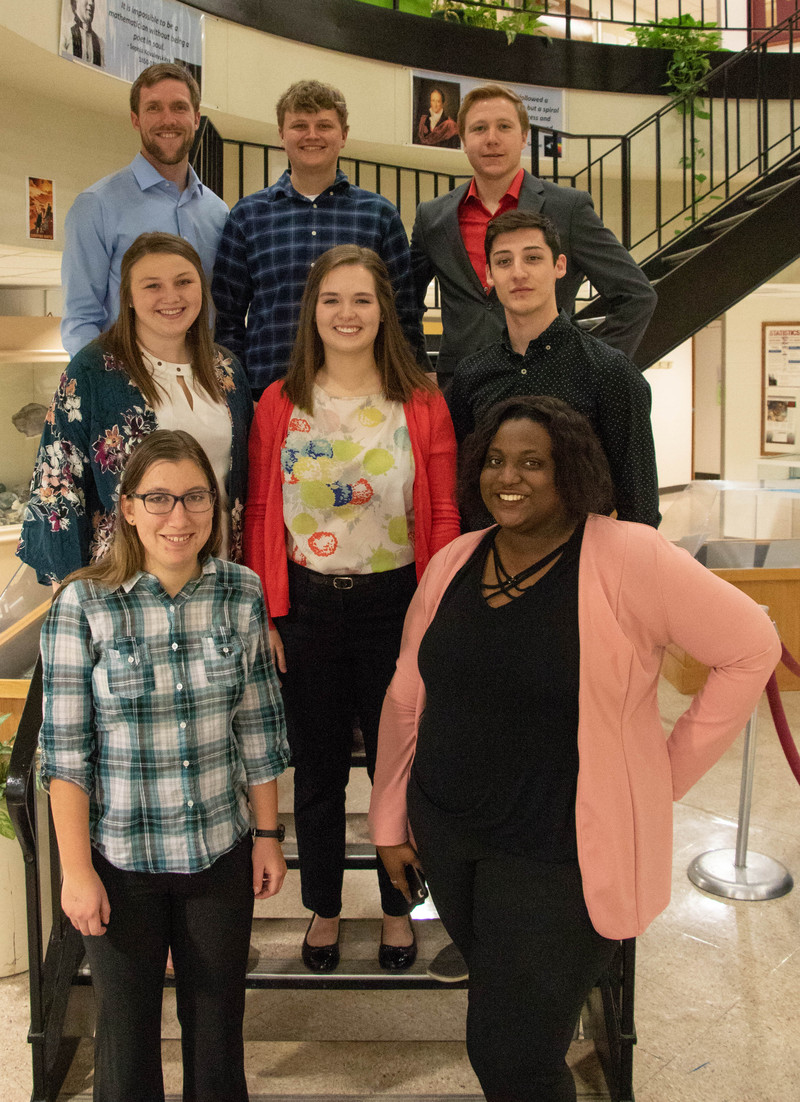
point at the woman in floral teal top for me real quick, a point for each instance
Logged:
(156, 367)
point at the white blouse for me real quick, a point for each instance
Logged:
(207, 421)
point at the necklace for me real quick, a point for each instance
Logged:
(506, 583)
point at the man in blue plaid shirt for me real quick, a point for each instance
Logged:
(272, 238)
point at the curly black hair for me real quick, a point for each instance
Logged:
(582, 477)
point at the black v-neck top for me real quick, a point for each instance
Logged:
(497, 747)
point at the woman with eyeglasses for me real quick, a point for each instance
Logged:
(162, 737)
(156, 367)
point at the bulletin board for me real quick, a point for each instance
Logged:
(780, 406)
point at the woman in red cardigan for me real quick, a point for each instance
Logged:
(352, 470)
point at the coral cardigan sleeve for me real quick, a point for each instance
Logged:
(445, 524)
(724, 629)
(264, 540)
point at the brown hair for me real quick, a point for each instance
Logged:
(125, 557)
(400, 374)
(120, 338)
(513, 220)
(492, 91)
(581, 475)
(310, 96)
(164, 70)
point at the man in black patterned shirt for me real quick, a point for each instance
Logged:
(542, 352)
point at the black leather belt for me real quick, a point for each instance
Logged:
(344, 581)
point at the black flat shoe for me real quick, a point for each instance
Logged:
(396, 958)
(320, 958)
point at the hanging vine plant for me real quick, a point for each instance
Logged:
(690, 41)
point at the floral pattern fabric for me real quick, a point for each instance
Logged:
(348, 480)
(96, 419)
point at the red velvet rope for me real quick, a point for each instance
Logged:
(779, 716)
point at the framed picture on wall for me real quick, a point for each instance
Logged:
(780, 389)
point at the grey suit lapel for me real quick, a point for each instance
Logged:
(448, 244)
(531, 194)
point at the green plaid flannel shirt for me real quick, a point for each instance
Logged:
(164, 710)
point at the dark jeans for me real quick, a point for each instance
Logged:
(205, 918)
(341, 648)
(532, 952)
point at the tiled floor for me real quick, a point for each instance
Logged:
(717, 984)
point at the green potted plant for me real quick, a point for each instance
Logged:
(524, 20)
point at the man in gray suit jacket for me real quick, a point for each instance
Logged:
(449, 233)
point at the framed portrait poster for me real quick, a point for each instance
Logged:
(41, 209)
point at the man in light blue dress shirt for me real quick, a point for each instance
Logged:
(157, 191)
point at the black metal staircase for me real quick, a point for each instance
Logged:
(57, 967)
(671, 188)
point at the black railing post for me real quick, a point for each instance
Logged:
(625, 181)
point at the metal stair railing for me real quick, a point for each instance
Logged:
(55, 968)
(649, 185)
(607, 13)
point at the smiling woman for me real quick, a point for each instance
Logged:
(521, 746)
(163, 734)
(156, 367)
(352, 462)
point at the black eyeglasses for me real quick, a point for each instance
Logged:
(160, 503)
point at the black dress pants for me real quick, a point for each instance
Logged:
(205, 918)
(341, 648)
(533, 954)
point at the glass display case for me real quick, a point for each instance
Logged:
(31, 362)
(749, 534)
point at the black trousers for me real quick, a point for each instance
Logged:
(533, 954)
(341, 648)
(205, 918)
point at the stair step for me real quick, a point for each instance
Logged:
(318, 1071)
(275, 957)
(674, 259)
(763, 194)
(359, 851)
(722, 225)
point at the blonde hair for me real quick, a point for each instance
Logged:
(492, 91)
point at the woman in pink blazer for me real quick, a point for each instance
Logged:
(521, 756)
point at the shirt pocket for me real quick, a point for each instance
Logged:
(130, 668)
(223, 656)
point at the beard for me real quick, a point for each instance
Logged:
(156, 150)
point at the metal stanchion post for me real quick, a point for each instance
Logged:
(737, 874)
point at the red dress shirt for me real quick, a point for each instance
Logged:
(473, 218)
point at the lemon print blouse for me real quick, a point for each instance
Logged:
(348, 479)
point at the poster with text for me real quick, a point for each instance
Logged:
(122, 37)
(781, 387)
(436, 98)
(41, 209)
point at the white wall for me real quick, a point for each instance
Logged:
(708, 356)
(741, 428)
(671, 386)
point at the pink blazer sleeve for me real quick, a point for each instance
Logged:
(724, 629)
